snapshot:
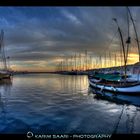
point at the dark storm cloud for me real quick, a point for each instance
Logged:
(44, 33)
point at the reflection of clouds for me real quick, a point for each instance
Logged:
(55, 83)
(131, 113)
(114, 110)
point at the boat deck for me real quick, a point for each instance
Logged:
(117, 84)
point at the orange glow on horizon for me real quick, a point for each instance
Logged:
(67, 64)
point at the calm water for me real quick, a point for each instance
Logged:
(47, 103)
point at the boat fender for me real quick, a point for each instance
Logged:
(102, 88)
(114, 89)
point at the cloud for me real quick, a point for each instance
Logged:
(45, 33)
(71, 17)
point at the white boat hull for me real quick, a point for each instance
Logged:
(129, 89)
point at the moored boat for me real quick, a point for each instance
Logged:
(4, 72)
(120, 83)
(116, 85)
(5, 76)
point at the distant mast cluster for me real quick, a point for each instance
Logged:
(85, 61)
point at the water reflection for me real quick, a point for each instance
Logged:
(130, 121)
(116, 98)
(74, 84)
(5, 86)
(51, 103)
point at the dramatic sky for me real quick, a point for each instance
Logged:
(38, 38)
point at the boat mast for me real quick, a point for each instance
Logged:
(135, 31)
(123, 47)
(110, 60)
(75, 61)
(71, 63)
(2, 50)
(67, 60)
(128, 41)
(101, 61)
(80, 68)
(86, 58)
(115, 60)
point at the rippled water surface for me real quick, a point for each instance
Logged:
(51, 103)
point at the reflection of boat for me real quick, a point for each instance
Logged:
(118, 83)
(116, 98)
(6, 82)
(110, 98)
(4, 73)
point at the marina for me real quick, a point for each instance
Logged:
(74, 77)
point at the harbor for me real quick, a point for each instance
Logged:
(74, 77)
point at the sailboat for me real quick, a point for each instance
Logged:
(4, 72)
(118, 83)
